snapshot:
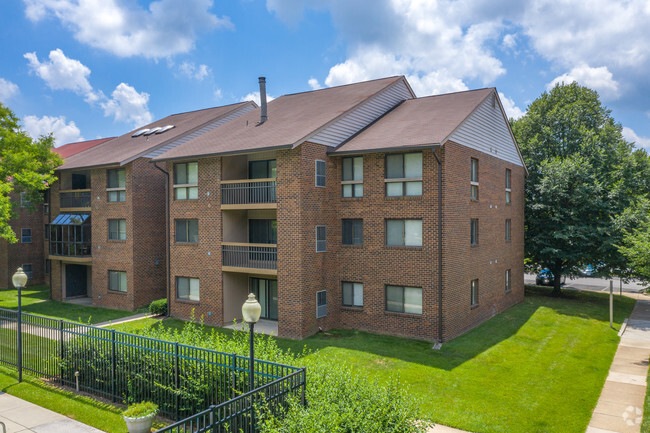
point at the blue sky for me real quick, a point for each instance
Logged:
(84, 69)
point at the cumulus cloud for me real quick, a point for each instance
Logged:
(191, 70)
(255, 96)
(63, 73)
(599, 79)
(314, 84)
(128, 105)
(7, 90)
(511, 109)
(631, 136)
(125, 29)
(509, 41)
(218, 94)
(63, 132)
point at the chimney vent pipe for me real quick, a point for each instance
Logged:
(263, 117)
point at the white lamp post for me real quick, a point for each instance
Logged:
(19, 280)
(251, 310)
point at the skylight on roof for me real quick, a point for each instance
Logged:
(165, 129)
(140, 132)
(153, 130)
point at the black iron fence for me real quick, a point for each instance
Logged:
(75, 199)
(182, 380)
(248, 191)
(249, 256)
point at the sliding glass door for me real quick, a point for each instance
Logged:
(266, 292)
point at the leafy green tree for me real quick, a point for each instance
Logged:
(582, 175)
(26, 166)
(634, 223)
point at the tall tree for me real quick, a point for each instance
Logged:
(26, 166)
(582, 175)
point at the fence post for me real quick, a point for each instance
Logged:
(61, 351)
(113, 365)
(176, 380)
(234, 378)
(304, 385)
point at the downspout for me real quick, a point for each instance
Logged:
(439, 244)
(168, 255)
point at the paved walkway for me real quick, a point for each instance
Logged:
(620, 407)
(24, 417)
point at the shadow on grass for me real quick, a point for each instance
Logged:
(589, 306)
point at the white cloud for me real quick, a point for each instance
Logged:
(63, 73)
(127, 105)
(509, 41)
(511, 109)
(125, 29)
(631, 136)
(255, 96)
(63, 132)
(218, 94)
(7, 90)
(599, 79)
(191, 70)
(314, 84)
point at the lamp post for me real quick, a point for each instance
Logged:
(19, 280)
(251, 310)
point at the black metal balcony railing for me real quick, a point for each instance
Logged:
(248, 192)
(250, 256)
(75, 199)
(70, 249)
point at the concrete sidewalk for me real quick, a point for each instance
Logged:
(24, 417)
(620, 407)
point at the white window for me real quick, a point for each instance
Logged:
(321, 239)
(24, 200)
(403, 174)
(320, 173)
(26, 236)
(117, 281)
(508, 281)
(474, 179)
(187, 231)
(186, 180)
(404, 233)
(352, 294)
(321, 304)
(352, 182)
(508, 180)
(508, 225)
(473, 293)
(401, 299)
(187, 288)
(28, 270)
(116, 184)
(473, 231)
(117, 230)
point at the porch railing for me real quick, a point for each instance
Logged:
(75, 199)
(71, 248)
(248, 191)
(258, 256)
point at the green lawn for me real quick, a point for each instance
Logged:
(35, 301)
(538, 367)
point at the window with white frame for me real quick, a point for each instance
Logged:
(26, 236)
(24, 200)
(186, 181)
(473, 287)
(352, 183)
(187, 230)
(473, 231)
(117, 230)
(320, 173)
(187, 288)
(473, 181)
(508, 281)
(116, 184)
(321, 239)
(508, 180)
(400, 299)
(117, 281)
(403, 174)
(352, 294)
(508, 225)
(321, 304)
(28, 270)
(352, 232)
(404, 233)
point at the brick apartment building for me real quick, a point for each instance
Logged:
(357, 206)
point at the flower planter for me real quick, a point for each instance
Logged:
(140, 424)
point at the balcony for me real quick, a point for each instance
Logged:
(75, 199)
(249, 194)
(70, 237)
(245, 257)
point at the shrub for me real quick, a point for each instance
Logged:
(139, 410)
(158, 307)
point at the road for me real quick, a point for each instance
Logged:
(593, 284)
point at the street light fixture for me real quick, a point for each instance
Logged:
(19, 280)
(251, 310)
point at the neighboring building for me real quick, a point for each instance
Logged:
(332, 213)
(107, 233)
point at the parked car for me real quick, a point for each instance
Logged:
(588, 271)
(546, 278)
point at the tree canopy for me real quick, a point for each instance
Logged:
(582, 176)
(26, 166)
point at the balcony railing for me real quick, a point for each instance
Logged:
(74, 199)
(70, 249)
(248, 191)
(257, 256)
